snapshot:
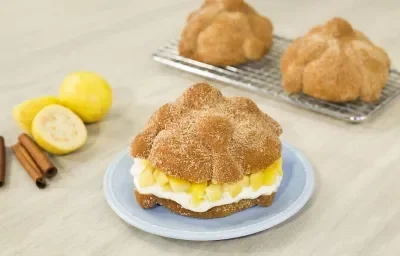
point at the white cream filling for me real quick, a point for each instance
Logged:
(184, 199)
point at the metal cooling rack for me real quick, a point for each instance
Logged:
(264, 78)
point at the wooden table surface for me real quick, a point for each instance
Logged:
(355, 209)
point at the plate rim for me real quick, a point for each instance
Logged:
(281, 217)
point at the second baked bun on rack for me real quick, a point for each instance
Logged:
(335, 62)
(226, 32)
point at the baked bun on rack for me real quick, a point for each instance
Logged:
(335, 62)
(226, 32)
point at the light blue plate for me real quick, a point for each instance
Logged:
(295, 190)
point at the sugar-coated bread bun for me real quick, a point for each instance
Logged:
(335, 62)
(226, 32)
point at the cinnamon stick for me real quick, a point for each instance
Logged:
(29, 165)
(2, 161)
(41, 159)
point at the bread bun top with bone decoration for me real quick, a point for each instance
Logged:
(335, 62)
(204, 136)
(226, 32)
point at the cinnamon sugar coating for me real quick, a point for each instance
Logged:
(335, 62)
(151, 201)
(204, 136)
(226, 32)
